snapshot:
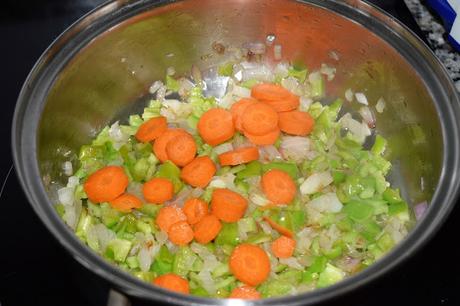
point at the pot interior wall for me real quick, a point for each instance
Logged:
(110, 76)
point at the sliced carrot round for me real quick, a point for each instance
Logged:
(278, 97)
(245, 293)
(249, 264)
(278, 186)
(199, 172)
(228, 205)
(172, 282)
(195, 210)
(151, 129)
(159, 146)
(181, 149)
(158, 190)
(239, 156)
(264, 140)
(216, 126)
(126, 202)
(259, 119)
(180, 233)
(169, 215)
(296, 123)
(283, 247)
(238, 109)
(207, 229)
(106, 184)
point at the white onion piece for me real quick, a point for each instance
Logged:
(328, 71)
(72, 214)
(349, 95)
(181, 197)
(305, 103)
(197, 192)
(361, 98)
(207, 281)
(420, 209)
(257, 71)
(316, 182)
(295, 147)
(135, 189)
(118, 137)
(161, 237)
(380, 106)
(67, 168)
(66, 196)
(170, 71)
(266, 228)
(185, 85)
(155, 86)
(327, 203)
(359, 129)
(241, 92)
(269, 153)
(259, 199)
(104, 235)
(281, 69)
(277, 52)
(368, 116)
(225, 147)
(334, 55)
(223, 181)
(292, 84)
(304, 239)
(291, 262)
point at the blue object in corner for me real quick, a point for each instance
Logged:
(448, 15)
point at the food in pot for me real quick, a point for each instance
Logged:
(261, 187)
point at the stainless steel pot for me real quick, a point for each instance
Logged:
(99, 69)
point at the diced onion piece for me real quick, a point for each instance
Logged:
(170, 71)
(305, 103)
(225, 147)
(328, 71)
(327, 203)
(258, 199)
(241, 92)
(277, 52)
(67, 168)
(316, 182)
(361, 98)
(269, 153)
(295, 147)
(380, 106)
(349, 95)
(155, 86)
(368, 116)
(291, 262)
(360, 130)
(419, 210)
(207, 281)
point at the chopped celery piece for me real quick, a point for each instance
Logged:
(249, 83)
(334, 252)
(119, 248)
(379, 145)
(150, 210)
(220, 270)
(345, 224)
(183, 261)
(163, 263)
(317, 86)
(85, 222)
(242, 186)
(228, 234)
(135, 120)
(170, 171)
(273, 288)
(226, 69)
(199, 103)
(172, 84)
(253, 168)
(225, 282)
(237, 169)
(300, 75)
(290, 276)
(145, 276)
(109, 216)
(152, 110)
(391, 196)
(60, 209)
(132, 262)
(143, 227)
(338, 177)
(358, 211)
(385, 242)
(318, 264)
(329, 276)
(399, 209)
(289, 168)
(259, 238)
(370, 230)
(247, 225)
(199, 291)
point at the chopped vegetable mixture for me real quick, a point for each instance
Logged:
(264, 191)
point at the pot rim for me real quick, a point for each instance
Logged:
(443, 88)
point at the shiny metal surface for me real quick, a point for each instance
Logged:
(100, 69)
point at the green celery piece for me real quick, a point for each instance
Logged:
(400, 209)
(289, 168)
(249, 83)
(223, 170)
(316, 109)
(345, 224)
(392, 196)
(300, 75)
(247, 224)
(274, 288)
(280, 268)
(84, 224)
(257, 214)
(183, 261)
(143, 227)
(379, 146)
(227, 249)
(192, 122)
(225, 69)
(144, 150)
(225, 282)
(367, 193)
(170, 171)
(197, 265)
(315, 248)
(165, 255)
(370, 230)
(318, 265)
(327, 220)
(135, 121)
(172, 84)
(291, 276)
(207, 194)
(220, 270)
(60, 209)
(338, 177)
(242, 186)
(228, 234)
(238, 168)
(298, 219)
(150, 210)
(258, 238)
(334, 252)
(375, 251)
(145, 276)
(140, 169)
(380, 206)
(161, 267)
(90, 152)
(385, 242)
(199, 291)
(330, 276)
(222, 292)
(318, 87)
(119, 248)
(152, 110)
(102, 137)
(358, 211)
(109, 216)
(253, 168)
(281, 217)
(132, 262)
(199, 103)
